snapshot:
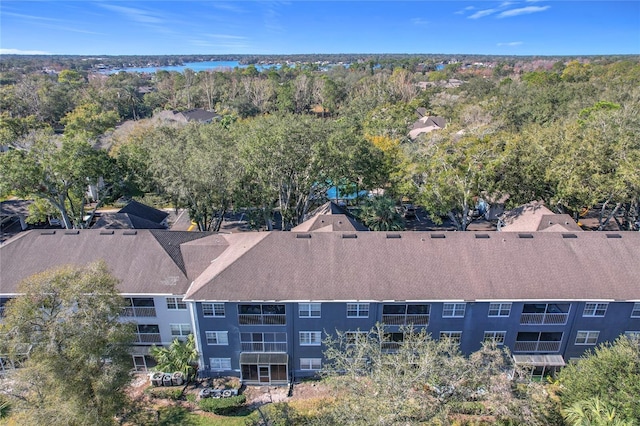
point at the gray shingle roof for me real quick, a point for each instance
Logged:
(146, 212)
(417, 266)
(145, 261)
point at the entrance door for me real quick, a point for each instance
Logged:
(263, 374)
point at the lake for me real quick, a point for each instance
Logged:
(195, 66)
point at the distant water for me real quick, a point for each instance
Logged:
(195, 66)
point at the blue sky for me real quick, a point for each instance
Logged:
(94, 27)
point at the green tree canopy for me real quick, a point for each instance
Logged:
(610, 373)
(58, 171)
(79, 361)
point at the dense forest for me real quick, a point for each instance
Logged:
(562, 131)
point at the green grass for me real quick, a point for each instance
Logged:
(182, 416)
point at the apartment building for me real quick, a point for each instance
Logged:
(261, 303)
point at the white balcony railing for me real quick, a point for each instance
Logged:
(133, 312)
(262, 319)
(402, 319)
(264, 346)
(547, 319)
(536, 347)
(148, 338)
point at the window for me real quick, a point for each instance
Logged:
(595, 309)
(220, 363)
(310, 338)
(456, 336)
(263, 342)
(353, 337)
(587, 337)
(635, 312)
(357, 310)
(217, 338)
(176, 303)
(495, 336)
(453, 310)
(309, 310)
(310, 363)
(633, 335)
(213, 310)
(180, 330)
(499, 309)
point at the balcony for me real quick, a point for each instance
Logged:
(402, 319)
(536, 347)
(545, 319)
(147, 338)
(134, 312)
(262, 319)
(264, 346)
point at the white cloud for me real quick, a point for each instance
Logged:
(226, 36)
(23, 52)
(419, 21)
(134, 14)
(482, 13)
(511, 43)
(523, 11)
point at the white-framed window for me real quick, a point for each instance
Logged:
(310, 363)
(353, 337)
(309, 310)
(499, 309)
(220, 364)
(456, 336)
(180, 330)
(635, 312)
(595, 309)
(587, 337)
(634, 335)
(495, 336)
(310, 338)
(213, 310)
(217, 337)
(453, 310)
(176, 303)
(357, 310)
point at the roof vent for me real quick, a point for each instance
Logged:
(72, 232)
(106, 232)
(614, 236)
(438, 236)
(49, 232)
(349, 236)
(569, 236)
(393, 236)
(525, 235)
(303, 236)
(482, 236)
(130, 233)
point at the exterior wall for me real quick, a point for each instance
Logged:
(473, 325)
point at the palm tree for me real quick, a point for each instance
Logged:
(593, 412)
(179, 356)
(381, 214)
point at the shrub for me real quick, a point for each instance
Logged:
(174, 393)
(467, 407)
(222, 406)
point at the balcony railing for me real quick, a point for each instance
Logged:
(132, 312)
(148, 338)
(558, 319)
(259, 319)
(264, 346)
(391, 346)
(402, 319)
(536, 347)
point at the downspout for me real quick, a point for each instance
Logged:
(196, 334)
